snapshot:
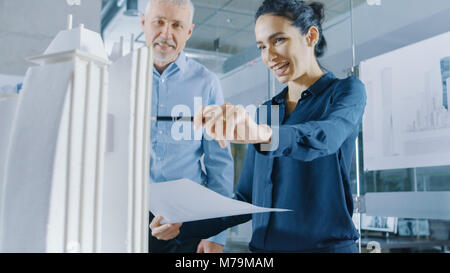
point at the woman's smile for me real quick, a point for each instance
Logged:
(281, 69)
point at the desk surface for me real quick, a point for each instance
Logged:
(404, 242)
(385, 243)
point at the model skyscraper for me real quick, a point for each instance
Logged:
(56, 197)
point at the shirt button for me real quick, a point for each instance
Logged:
(160, 132)
(159, 158)
(163, 80)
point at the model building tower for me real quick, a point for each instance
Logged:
(55, 166)
(54, 187)
(127, 159)
(8, 104)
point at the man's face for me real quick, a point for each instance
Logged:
(167, 28)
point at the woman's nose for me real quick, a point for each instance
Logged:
(271, 54)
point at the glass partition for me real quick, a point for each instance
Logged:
(358, 32)
(403, 145)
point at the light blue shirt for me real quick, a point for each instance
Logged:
(176, 150)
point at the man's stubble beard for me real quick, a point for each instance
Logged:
(164, 59)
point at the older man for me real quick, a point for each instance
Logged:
(177, 82)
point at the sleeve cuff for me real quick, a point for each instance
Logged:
(220, 238)
(281, 144)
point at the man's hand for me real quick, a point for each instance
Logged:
(231, 123)
(209, 247)
(164, 232)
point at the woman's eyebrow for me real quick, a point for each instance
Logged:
(271, 36)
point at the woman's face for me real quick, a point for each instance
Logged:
(284, 50)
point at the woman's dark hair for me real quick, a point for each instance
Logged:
(303, 16)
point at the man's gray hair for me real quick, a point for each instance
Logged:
(176, 2)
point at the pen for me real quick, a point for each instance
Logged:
(166, 118)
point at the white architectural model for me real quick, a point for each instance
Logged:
(76, 173)
(8, 105)
(127, 158)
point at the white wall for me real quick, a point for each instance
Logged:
(28, 26)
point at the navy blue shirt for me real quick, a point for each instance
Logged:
(308, 172)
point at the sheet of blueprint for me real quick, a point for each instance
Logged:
(184, 200)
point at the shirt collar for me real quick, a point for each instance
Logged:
(181, 61)
(281, 97)
(316, 89)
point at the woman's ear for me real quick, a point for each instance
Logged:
(312, 37)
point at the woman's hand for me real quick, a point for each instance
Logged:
(231, 123)
(164, 232)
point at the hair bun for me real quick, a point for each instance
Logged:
(318, 9)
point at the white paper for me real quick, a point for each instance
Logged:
(183, 201)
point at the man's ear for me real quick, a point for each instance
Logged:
(312, 37)
(191, 30)
(142, 22)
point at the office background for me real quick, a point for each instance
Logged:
(223, 40)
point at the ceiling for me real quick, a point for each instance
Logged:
(222, 27)
(230, 21)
